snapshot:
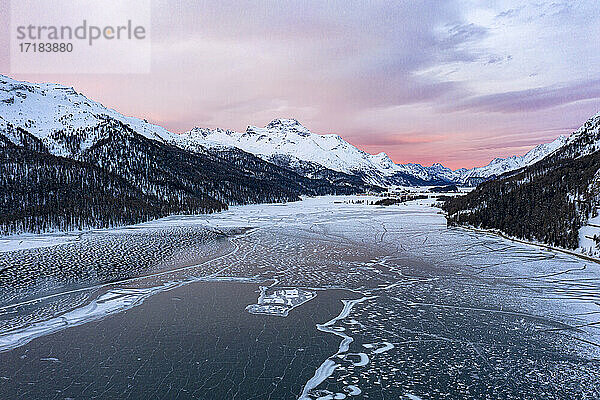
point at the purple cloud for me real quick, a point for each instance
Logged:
(533, 99)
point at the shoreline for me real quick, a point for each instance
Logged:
(523, 241)
(32, 240)
(502, 235)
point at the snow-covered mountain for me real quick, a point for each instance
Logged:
(286, 140)
(549, 200)
(50, 112)
(585, 140)
(68, 124)
(499, 166)
(65, 121)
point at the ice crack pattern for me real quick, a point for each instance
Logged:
(378, 303)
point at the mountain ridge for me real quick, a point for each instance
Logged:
(282, 136)
(375, 169)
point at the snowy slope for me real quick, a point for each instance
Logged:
(586, 139)
(45, 109)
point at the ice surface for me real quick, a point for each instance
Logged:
(32, 241)
(445, 312)
(280, 301)
(115, 300)
(328, 367)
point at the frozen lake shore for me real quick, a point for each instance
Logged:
(442, 312)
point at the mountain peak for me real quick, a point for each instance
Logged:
(382, 157)
(283, 122)
(289, 125)
(561, 138)
(438, 165)
(206, 132)
(281, 126)
(197, 131)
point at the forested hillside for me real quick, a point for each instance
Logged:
(548, 201)
(125, 178)
(41, 192)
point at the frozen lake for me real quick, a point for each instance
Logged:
(404, 308)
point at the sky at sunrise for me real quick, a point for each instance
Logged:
(454, 81)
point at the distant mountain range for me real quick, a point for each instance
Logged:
(288, 143)
(67, 162)
(499, 166)
(546, 201)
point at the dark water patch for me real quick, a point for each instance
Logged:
(196, 341)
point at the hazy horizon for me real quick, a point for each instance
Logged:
(458, 83)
